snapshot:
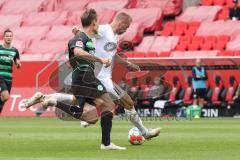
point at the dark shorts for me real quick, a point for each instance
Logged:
(4, 85)
(86, 85)
(200, 93)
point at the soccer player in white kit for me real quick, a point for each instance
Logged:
(106, 47)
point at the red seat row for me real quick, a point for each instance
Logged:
(228, 3)
(199, 13)
(202, 43)
(180, 28)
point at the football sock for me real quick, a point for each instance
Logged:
(62, 97)
(136, 120)
(106, 124)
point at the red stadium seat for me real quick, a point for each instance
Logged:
(8, 21)
(46, 18)
(169, 7)
(129, 54)
(164, 44)
(60, 33)
(175, 89)
(218, 86)
(226, 53)
(74, 18)
(219, 2)
(231, 89)
(209, 43)
(207, 2)
(192, 28)
(181, 28)
(106, 16)
(151, 54)
(168, 29)
(108, 4)
(23, 6)
(229, 3)
(47, 47)
(200, 14)
(197, 43)
(187, 98)
(237, 53)
(223, 14)
(182, 46)
(74, 5)
(28, 34)
(145, 44)
(138, 54)
(133, 34)
(20, 45)
(164, 54)
(152, 22)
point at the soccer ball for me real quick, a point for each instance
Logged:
(135, 136)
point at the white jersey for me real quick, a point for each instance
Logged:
(106, 47)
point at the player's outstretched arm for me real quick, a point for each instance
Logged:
(124, 62)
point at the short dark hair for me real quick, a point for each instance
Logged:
(6, 31)
(88, 17)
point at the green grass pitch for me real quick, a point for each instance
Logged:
(53, 139)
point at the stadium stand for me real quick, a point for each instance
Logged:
(8, 21)
(23, 6)
(29, 34)
(133, 34)
(151, 22)
(169, 7)
(56, 33)
(46, 18)
(108, 4)
(73, 5)
(200, 14)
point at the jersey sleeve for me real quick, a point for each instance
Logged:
(76, 42)
(17, 56)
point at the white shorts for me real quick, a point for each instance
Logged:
(115, 91)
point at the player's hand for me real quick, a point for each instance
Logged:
(133, 67)
(106, 61)
(75, 29)
(18, 65)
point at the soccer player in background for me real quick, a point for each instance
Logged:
(199, 83)
(8, 56)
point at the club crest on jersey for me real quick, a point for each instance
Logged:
(110, 46)
(79, 44)
(100, 87)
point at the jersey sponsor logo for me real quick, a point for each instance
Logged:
(79, 44)
(100, 87)
(9, 58)
(110, 46)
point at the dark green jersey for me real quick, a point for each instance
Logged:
(82, 41)
(7, 57)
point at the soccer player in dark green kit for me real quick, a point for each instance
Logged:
(8, 56)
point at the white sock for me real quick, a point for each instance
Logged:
(62, 97)
(136, 120)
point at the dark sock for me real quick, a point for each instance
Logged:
(75, 111)
(106, 124)
(1, 105)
